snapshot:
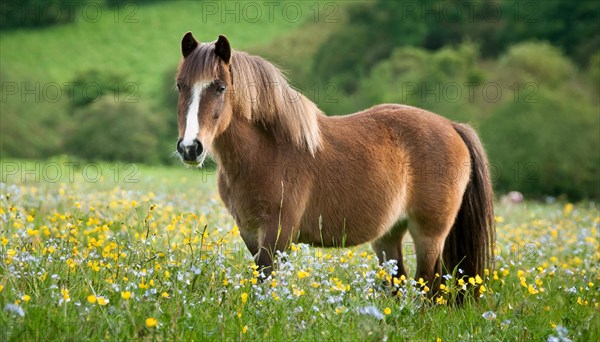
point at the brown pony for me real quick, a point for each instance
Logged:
(288, 173)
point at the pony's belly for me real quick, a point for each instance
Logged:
(354, 222)
(338, 232)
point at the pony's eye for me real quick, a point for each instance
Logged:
(220, 89)
(178, 87)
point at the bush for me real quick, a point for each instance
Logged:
(30, 126)
(370, 35)
(430, 80)
(540, 61)
(373, 30)
(542, 137)
(549, 147)
(92, 84)
(594, 70)
(37, 13)
(109, 130)
(545, 142)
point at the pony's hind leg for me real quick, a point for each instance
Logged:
(389, 246)
(429, 237)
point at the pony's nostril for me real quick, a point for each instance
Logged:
(197, 147)
(179, 147)
(191, 151)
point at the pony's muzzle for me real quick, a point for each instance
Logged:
(189, 153)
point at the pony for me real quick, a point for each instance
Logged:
(287, 173)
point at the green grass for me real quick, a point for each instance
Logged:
(162, 236)
(140, 41)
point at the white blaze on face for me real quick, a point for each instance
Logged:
(192, 126)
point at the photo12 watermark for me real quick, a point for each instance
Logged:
(32, 13)
(68, 172)
(269, 11)
(454, 92)
(73, 92)
(456, 12)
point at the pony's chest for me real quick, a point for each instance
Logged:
(243, 201)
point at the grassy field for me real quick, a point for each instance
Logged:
(121, 251)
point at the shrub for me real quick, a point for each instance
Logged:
(430, 80)
(37, 13)
(542, 137)
(30, 126)
(109, 130)
(547, 147)
(92, 84)
(540, 61)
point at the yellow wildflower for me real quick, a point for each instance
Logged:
(298, 292)
(532, 290)
(65, 294)
(303, 274)
(102, 301)
(151, 322)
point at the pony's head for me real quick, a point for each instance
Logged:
(215, 84)
(204, 108)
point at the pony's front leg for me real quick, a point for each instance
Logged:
(273, 237)
(250, 238)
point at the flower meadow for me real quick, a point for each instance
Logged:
(149, 253)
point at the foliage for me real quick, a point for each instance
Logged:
(90, 85)
(116, 56)
(373, 30)
(109, 130)
(561, 155)
(572, 26)
(438, 81)
(116, 3)
(540, 131)
(38, 129)
(539, 61)
(149, 253)
(37, 13)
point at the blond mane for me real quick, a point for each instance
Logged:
(262, 94)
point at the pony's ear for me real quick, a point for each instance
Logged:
(188, 44)
(223, 49)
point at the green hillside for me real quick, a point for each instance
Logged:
(141, 41)
(128, 56)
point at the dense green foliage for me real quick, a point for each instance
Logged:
(126, 138)
(16, 14)
(526, 74)
(37, 13)
(375, 29)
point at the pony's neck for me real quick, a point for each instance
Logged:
(242, 143)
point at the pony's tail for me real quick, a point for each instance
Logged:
(470, 244)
